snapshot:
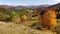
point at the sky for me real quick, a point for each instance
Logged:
(28, 2)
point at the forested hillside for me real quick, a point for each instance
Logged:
(43, 19)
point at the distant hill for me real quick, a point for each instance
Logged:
(27, 7)
(49, 7)
(37, 6)
(5, 6)
(19, 7)
(23, 7)
(43, 7)
(55, 5)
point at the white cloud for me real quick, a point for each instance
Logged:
(13, 4)
(54, 2)
(20, 4)
(57, 0)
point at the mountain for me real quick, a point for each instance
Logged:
(32, 6)
(49, 7)
(19, 7)
(12, 7)
(23, 7)
(5, 6)
(53, 7)
(37, 6)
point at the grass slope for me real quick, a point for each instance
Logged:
(10, 28)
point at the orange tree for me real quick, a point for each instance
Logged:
(49, 19)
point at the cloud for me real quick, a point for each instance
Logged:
(20, 4)
(13, 4)
(54, 2)
(57, 1)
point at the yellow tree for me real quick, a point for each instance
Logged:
(24, 20)
(15, 17)
(49, 19)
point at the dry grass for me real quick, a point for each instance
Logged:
(11, 28)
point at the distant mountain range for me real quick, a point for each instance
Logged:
(56, 5)
(5, 6)
(49, 7)
(33, 6)
(23, 7)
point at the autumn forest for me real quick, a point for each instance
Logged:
(37, 18)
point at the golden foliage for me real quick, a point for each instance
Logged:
(25, 20)
(27, 23)
(49, 19)
(24, 17)
(16, 19)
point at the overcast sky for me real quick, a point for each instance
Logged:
(28, 2)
